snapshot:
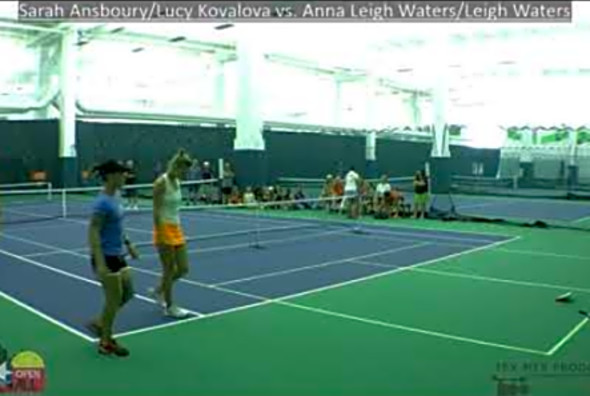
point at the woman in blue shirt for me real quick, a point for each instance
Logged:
(108, 244)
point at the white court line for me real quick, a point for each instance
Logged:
(42, 254)
(287, 222)
(558, 200)
(281, 301)
(72, 275)
(188, 214)
(386, 230)
(39, 226)
(303, 226)
(342, 284)
(482, 278)
(229, 217)
(264, 241)
(57, 250)
(68, 220)
(370, 222)
(557, 346)
(414, 329)
(248, 232)
(382, 237)
(582, 220)
(321, 265)
(505, 250)
(308, 292)
(30, 215)
(126, 228)
(512, 251)
(374, 264)
(162, 326)
(401, 269)
(200, 250)
(394, 237)
(568, 337)
(53, 249)
(69, 274)
(247, 244)
(433, 236)
(470, 206)
(391, 226)
(48, 318)
(544, 254)
(197, 315)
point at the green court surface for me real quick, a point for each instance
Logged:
(457, 326)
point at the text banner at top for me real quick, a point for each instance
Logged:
(296, 11)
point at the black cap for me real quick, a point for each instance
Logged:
(111, 166)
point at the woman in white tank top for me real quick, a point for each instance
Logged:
(168, 234)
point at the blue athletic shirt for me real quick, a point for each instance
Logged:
(110, 209)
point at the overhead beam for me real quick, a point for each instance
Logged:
(10, 23)
(151, 39)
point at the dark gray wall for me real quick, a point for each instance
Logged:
(29, 145)
(26, 146)
(147, 144)
(309, 155)
(397, 158)
(464, 157)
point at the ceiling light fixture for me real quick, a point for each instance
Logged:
(224, 26)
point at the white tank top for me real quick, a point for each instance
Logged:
(172, 201)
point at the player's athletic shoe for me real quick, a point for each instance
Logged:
(111, 347)
(175, 312)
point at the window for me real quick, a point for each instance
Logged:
(117, 76)
(19, 75)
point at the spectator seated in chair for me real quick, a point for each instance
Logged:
(327, 193)
(300, 196)
(337, 194)
(235, 197)
(288, 198)
(396, 203)
(381, 199)
(249, 197)
(365, 197)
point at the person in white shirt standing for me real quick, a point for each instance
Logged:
(351, 193)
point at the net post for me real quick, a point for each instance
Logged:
(49, 191)
(64, 206)
(515, 182)
(356, 229)
(257, 218)
(358, 226)
(221, 168)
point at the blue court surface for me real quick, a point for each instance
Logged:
(237, 261)
(552, 210)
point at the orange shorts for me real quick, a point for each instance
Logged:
(169, 234)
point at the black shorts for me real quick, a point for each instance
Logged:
(114, 263)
